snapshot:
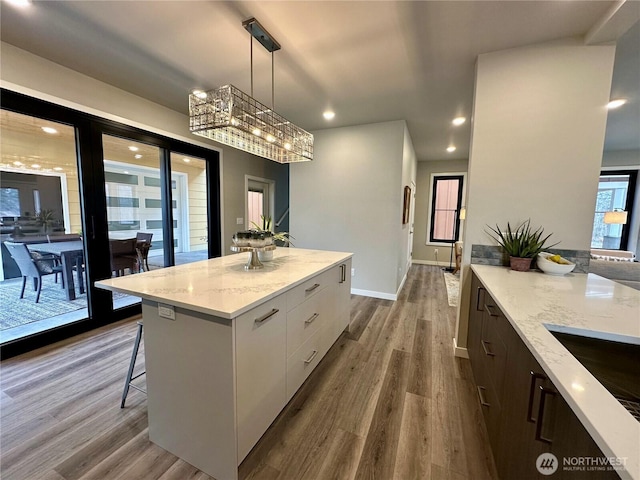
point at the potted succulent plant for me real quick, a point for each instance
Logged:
(271, 237)
(522, 244)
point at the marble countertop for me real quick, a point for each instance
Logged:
(582, 304)
(221, 286)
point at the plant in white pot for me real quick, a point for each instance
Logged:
(522, 244)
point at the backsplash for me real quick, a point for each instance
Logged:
(495, 255)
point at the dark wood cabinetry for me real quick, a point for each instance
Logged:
(524, 413)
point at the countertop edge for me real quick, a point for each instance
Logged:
(228, 315)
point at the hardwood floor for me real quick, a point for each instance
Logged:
(389, 401)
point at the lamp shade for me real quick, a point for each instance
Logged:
(616, 217)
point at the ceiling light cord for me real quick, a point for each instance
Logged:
(273, 102)
(251, 56)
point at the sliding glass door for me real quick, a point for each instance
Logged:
(74, 186)
(40, 227)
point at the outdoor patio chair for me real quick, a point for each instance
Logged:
(123, 255)
(143, 247)
(34, 265)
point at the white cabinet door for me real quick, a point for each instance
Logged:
(261, 364)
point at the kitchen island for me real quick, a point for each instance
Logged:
(226, 348)
(533, 305)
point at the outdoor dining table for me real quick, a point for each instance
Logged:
(71, 254)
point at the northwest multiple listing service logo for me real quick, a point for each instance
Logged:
(547, 463)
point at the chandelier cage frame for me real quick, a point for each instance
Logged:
(231, 117)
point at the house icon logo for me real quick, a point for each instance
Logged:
(547, 463)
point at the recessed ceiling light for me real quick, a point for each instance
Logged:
(271, 138)
(186, 160)
(616, 103)
(200, 94)
(137, 155)
(18, 164)
(328, 115)
(256, 132)
(133, 149)
(35, 165)
(20, 3)
(126, 172)
(451, 148)
(49, 130)
(458, 121)
(57, 169)
(287, 146)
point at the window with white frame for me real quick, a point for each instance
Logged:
(444, 208)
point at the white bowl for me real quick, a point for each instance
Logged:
(553, 268)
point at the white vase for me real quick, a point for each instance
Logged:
(265, 256)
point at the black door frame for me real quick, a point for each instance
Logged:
(89, 130)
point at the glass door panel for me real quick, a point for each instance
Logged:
(40, 220)
(134, 209)
(189, 199)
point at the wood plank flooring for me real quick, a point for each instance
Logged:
(388, 402)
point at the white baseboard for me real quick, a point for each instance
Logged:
(404, 279)
(374, 294)
(431, 262)
(459, 352)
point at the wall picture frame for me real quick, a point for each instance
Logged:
(406, 205)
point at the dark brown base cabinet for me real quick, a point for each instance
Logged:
(524, 413)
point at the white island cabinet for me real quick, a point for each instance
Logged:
(241, 344)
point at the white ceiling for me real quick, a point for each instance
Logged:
(369, 61)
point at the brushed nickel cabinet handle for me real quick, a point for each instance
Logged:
(343, 273)
(543, 395)
(532, 393)
(488, 309)
(266, 315)
(312, 288)
(483, 402)
(486, 350)
(310, 359)
(311, 318)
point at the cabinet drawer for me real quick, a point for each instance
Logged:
(261, 364)
(303, 361)
(308, 317)
(311, 287)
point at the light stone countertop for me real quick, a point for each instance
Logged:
(221, 286)
(582, 304)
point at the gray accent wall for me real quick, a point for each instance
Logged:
(350, 199)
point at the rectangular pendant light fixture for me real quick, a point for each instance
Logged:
(231, 117)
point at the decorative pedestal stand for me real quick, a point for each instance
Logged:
(253, 263)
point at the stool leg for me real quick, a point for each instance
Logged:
(132, 365)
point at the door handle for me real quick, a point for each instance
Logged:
(486, 350)
(310, 359)
(311, 318)
(312, 288)
(543, 395)
(532, 392)
(483, 402)
(488, 309)
(266, 315)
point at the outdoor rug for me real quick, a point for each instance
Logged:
(53, 302)
(453, 285)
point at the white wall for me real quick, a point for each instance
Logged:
(23, 72)
(350, 199)
(538, 132)
(409, 173)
